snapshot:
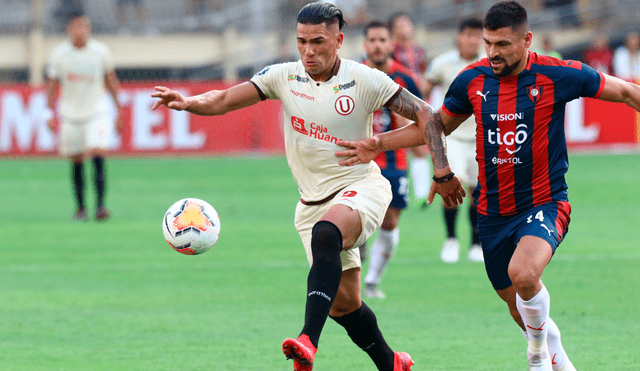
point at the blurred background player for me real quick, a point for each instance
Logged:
(547, 47)
(626, 59)
(82, 67)
(378, 47)
(461, 145)
(599, 55)
(412, 56)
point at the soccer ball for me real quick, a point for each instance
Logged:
(191, 226)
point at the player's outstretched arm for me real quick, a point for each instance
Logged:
(211, 103)
(618, 90)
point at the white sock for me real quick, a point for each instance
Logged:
(535, 315)
(556, 350)
(421, 177)
(381, 251)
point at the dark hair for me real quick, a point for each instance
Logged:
(472, 23)
(73, 14)
(506, 14)
(320, 12)
(375, 24)
(395, 16)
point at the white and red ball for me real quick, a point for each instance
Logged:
(191, 226)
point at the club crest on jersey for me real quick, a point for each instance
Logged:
(345, 105)
(535, 93)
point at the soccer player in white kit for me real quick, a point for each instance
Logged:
(82, 67)
(327, 100)
(461, 144)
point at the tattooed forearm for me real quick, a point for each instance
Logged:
(434, 133)
(407, 105)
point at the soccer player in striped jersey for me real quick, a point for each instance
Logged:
(393, 164)
(518, 99)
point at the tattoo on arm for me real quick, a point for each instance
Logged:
(406, 105)
(409, 106)
(434, 133)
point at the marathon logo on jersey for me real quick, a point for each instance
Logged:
(339, 87)
(302, 95)
(535, 93)
(506, 116)
(298, 78)
(315, 130)
(512, 139)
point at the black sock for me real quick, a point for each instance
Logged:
(78, 182)
(362, 328)
(98, 165)
(324, 277)
(473, 218)
(450, 220)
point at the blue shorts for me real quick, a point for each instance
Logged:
(399, 187)
(501, 234)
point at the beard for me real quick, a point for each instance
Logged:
(507, 69)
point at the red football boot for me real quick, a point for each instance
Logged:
(402, 361)
(301, 351)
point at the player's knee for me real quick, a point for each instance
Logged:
(326, 241)
(523, 278)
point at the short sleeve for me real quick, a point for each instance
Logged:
(378, 88)
(53, 68)
(433, 70)
(456, 101)
(109, 64)
(269, 79)
(579, 80)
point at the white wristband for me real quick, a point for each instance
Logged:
(47, 114)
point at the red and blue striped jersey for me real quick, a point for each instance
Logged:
(384, 119)
(520, 142)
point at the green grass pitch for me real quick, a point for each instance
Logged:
(114, 296)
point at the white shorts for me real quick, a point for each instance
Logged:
(77, 137)
(370, 196)
(462, 160)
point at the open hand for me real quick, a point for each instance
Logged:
(170, 98)
(452, 192)
(359, 151)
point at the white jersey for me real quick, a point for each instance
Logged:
(317, 114)
(443, 70)
(81, 73)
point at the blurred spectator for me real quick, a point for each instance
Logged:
(547, 48)
(567, 11)
(600, 55)
(355, 12)
(626, 59)
(124, 17)
(405, 49)
(198, 10)
(66, 8)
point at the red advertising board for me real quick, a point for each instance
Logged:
(590, 124)
(24, 132)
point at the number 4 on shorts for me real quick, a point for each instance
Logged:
(538, 216)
